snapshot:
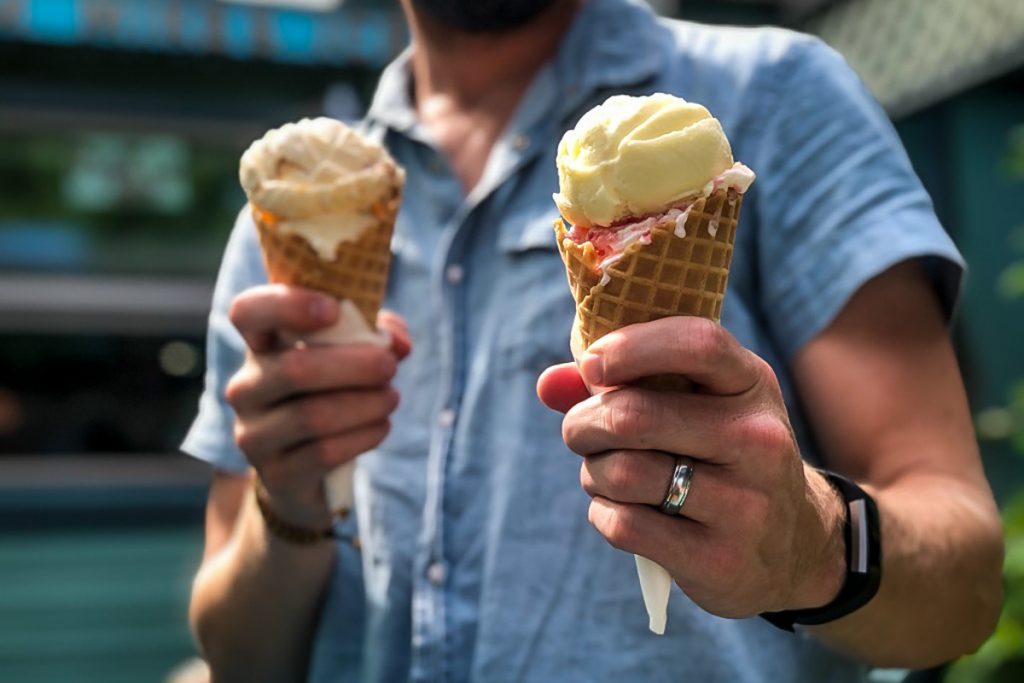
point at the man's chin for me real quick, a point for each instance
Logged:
(483, 16)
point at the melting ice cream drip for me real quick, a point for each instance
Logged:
(681, 219)
(716, 220)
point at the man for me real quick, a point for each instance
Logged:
(475, 561)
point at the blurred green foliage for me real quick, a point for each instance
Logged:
(116, 202)
(1015, 159)
(118, 184)
(1001, 658)
(1011, 282)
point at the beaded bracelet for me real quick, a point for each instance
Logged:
(287, 531)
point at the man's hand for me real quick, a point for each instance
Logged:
(883, 394)
(760, 531)
(303, 410)
(300, 412)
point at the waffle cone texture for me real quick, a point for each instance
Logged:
(359, 271)
(670, 276)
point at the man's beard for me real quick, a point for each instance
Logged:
(483, 16)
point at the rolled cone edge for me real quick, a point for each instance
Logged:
(656, 587)
(339, 489)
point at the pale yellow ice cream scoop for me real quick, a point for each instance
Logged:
(633, 156)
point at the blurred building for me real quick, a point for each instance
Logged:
(121, 123)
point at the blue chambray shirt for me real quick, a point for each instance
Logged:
(477, 562)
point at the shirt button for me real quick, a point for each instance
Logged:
(436, 574)
(446, 418)
(520, 142)
(455, 273)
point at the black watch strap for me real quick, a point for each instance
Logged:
(862, 534)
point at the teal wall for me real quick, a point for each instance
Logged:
(95, 605)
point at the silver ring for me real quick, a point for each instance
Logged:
(678, 487)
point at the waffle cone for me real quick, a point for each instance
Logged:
(670, 276)
(359, 271)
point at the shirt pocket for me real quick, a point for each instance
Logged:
(534, 330)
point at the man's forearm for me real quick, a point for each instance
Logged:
(941, 590)
(255, 604)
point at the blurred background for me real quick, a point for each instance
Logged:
(121, 123)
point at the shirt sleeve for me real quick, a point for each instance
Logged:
(211, 437)
(838, 201)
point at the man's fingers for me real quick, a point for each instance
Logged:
(391, 321)
(268, 379)
(643, 477)
(713, 569)
(645, 531)
(560, 387)
(700, 349)
(394, 324)
(317, 458)
(262, 312)
(314, 416)
(717, 429)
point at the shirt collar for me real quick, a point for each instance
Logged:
(611, 43)
(392, 102)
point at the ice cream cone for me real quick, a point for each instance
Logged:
(359, 271)
(653, 194)
(324, 199)
(357, 277)
(672, 275)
